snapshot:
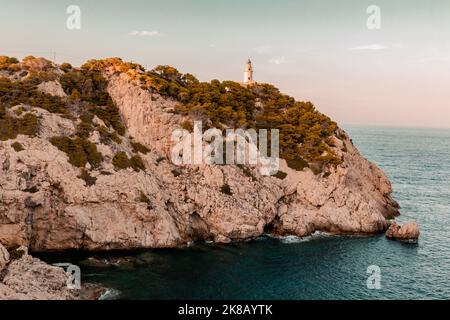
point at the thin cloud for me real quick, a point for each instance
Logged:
(434, 59)
(145, 33)
(279, 60)
(212, 45)
(263, 49)
(370, 47)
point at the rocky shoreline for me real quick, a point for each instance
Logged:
(23, 277)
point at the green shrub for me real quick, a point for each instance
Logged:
(10, 127)
(121, 161)
(84, 129)
(91, 85)
(297, 163)
(106, 136)
(280, 175)
(33, 189)
(137, 163)
(6, 62)
(137, 147)
(17, 147)
(160, 159)
(75, 95)
(88, 179)
(144, 199)
(26, 92)
(226, 189)
(111, 117)
(80, 151)
(19, 111)
(3, 113)
(94, 157)
(187, 125)
(66, 67)
(38, 77)
(16, 253)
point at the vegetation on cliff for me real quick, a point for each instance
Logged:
(305, 133)
(121, 162)
(80, 151)
(11, 126)
(26, 92)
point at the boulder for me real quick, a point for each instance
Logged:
(409, 231)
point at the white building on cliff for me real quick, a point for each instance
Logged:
(248, 74)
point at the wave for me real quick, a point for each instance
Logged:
(110, 294)
(295, 239)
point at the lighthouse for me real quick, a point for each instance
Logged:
(248, 74)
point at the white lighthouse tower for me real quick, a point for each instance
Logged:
(248, 74)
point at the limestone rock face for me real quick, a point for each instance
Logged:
(45, 205)
(28, 278)
(4, 257)
(408, 231)
(53, 88)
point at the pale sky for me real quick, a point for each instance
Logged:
(317, 50)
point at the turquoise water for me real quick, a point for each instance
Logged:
(417, 162)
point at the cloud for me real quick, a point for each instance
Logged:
(434, 59)
(212, 45)
(370, 47)
(279, 60)
(263, 49)
(145, 33)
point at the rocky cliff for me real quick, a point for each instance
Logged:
(88, 167)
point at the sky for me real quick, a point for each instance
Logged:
(317, 50)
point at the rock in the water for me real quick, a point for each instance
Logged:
(409, 231)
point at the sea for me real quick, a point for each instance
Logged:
(417, 162)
